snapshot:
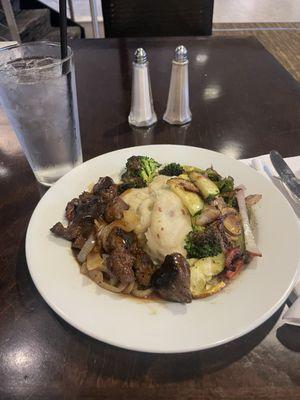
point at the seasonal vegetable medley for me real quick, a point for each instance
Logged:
(171, 231)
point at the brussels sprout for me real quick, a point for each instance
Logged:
(202, 272)
(197, 282)
(211, 289)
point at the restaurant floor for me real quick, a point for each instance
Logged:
(256, 10)
(224, 10)
(282, 40)
(232, 11)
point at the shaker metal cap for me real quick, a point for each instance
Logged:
(140, 56)
(181, 54)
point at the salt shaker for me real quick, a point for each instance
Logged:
(178, 109)
(142, 111)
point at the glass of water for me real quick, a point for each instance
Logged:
(38, 93)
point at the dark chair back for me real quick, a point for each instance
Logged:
(138, 18)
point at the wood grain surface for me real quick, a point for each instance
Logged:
(280, 39)
(244, 104)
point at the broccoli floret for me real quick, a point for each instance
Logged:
(232, 202)
(172, 169)
(140, 170)
(224, 184)
(202, 244)
(213, 175)
(198, 228)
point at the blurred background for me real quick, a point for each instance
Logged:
(28, 20)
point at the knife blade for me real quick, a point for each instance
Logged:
(285, 173)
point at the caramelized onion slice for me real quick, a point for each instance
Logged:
(104, 230)
(86, 248)
(208, 215)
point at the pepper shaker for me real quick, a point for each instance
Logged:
(178, 109)
(142, 111)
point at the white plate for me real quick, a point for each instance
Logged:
(156, 326)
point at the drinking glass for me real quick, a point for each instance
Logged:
(38, 93)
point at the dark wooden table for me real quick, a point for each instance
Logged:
(244, 104)
(282, 39)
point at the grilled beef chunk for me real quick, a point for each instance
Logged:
(126, 260)
(172, 279)
(125, 244)
(78, 242)
(80, 215)
(90, 207)
(84, 197)
(143, 268)
(103, 183)
(82, 211)
(69, 233)
(70, 209)
(118, 238)
(120, 263)
(114, 209)
(75, 233)
(105, 189)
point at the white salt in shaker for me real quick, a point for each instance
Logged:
(142, 111)
(178, 108)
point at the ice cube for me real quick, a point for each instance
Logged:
(29, 63)
(16, 64)
(42, 62)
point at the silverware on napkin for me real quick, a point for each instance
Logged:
(262, 167)
(285, 173)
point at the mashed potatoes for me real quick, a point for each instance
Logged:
(160, 215)
(140, 203)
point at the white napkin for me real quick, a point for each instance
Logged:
(264, 165)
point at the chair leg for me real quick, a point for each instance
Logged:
(11, 21)
(71, 10)
(94, 16)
